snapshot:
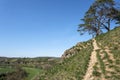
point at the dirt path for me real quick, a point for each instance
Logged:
(93, 60)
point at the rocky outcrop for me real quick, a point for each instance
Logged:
(74, 50)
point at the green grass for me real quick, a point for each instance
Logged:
(6, 70)
(102, 65)
(112, 41)
(32, 72)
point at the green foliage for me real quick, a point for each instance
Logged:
(99, 16)
(17, 74)
(30, 67)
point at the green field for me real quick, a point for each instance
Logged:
(32, 73)
(5, 70)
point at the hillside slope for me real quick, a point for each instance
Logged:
(109, 54)
(96, 59)
(72, 67)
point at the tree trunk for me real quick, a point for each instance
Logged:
(108, 25)
(98, 30)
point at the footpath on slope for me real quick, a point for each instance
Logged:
(93, 60)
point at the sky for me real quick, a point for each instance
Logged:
(36, 28)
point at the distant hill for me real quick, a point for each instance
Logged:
(96, 59)
(38, 62)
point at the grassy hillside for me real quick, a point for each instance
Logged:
(110, 50)
(76, 60)
(72, 68)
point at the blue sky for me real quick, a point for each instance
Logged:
(32, 28)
